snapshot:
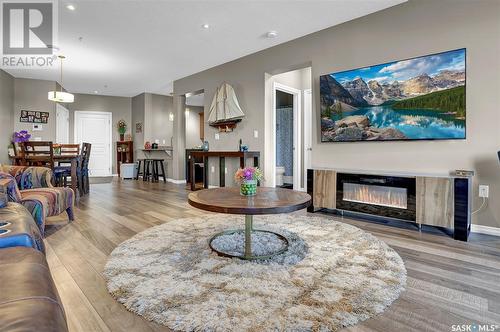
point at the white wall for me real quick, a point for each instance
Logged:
(193, 126)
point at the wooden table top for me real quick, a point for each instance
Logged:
(267, 201)
(244, 154)
(57, 157)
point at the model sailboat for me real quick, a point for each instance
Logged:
(225, 111)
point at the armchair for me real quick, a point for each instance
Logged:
(32, 187)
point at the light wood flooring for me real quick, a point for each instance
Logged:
(449, 282)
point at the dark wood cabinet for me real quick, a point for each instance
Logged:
(199, 166)
(124, 153)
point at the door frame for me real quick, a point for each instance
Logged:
(110, 119)
(297, 124)
(308, 121)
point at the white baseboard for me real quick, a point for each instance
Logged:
(176, 181)
(485, 230)
(211, 186)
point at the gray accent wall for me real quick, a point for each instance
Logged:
(161, 127)
(6, 111)
(32, 95)
(152, 110)
(415, 28)
(138, 108)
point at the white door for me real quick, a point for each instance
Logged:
(307, 133)
(95, 128)
(62, 124)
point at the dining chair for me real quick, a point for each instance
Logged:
(17, 160)
(82, 171)
(69, 149)
(38, 154)
(63, 168)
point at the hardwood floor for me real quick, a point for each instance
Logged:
(449, 282)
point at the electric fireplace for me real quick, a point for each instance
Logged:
(386, 196)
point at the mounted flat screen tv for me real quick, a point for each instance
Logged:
(421, 98)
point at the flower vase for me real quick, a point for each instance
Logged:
(122, 137)
(248, 188)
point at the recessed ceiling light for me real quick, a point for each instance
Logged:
(71, 7)
(272, 34)
(205, 26)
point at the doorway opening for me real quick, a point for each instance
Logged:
(284, 138)
(194, 116)
(290, 131)
(195, 119)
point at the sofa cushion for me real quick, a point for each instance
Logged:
(29, 177)
(20, 228)
(29, 299)
(55, 199)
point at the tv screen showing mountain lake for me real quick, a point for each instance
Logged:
(413, 99)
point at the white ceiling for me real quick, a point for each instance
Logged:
(142, 46)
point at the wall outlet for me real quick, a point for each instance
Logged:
(255, 134)
(212, 169)
(484, 191)
(217, 136)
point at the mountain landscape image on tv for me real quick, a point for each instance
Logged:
(415, 99)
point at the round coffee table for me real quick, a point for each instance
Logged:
(267, 201)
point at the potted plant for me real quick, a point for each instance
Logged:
(248, 178)
(21, 136)
(122, 128)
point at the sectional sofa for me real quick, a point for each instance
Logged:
(28, 297)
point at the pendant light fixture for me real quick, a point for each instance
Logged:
(61, 96)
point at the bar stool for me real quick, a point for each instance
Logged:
(156, 164)
(147, 171)
(139, 168)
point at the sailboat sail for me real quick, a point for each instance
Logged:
(225, 106)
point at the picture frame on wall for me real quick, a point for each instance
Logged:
(138, 127)
(34, 117)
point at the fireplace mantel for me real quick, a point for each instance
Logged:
(390, 173)
(431, 199)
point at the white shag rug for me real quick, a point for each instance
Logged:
(333, 275)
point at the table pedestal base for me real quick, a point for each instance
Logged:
(248, 241)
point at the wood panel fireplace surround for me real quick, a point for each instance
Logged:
(424, 200)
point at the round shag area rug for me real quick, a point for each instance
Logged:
(333, 275)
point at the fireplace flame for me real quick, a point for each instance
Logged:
(376, 195)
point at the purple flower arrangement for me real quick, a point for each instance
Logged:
(21, 136)
(247, 178)
(248, 174)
